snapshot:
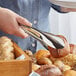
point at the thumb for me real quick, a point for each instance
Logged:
(23, 21)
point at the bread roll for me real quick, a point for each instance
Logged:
(70, 73)
(6, 48)
(35, 67)
(62, 66)
(42, 53)
(70, 59)
(57, 53)
(66, 67)
(72, 49)
(28, 52)
(49, 70)
(74, 67)
(44, 61)
(59, 64)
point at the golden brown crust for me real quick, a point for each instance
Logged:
(44, 61)
(59, 64)
(35, 67)
(42, 53)
(60, 52)
(19, 51)
(72, 48)
(70, 59)
(6, 48)
(49, 70)
(70, 73)
(28, 52)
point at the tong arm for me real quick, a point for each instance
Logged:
(45, 38)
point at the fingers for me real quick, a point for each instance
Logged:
(22, 20)
(20, 33)
(10, 25)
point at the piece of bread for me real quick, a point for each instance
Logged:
(28, 52)
(70, 59)
(72, 49)
(18, 51)
(70, 73)
(66, 67)
(6, 48)
(57, 53)
(35, 67)
(49, 70)
(62, 66)
(59, 64)
(44, 61)
(42, 53)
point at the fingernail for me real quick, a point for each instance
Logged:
(29, 22)
(25, 35)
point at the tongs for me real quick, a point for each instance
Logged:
(45, 38)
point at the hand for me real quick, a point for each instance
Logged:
(9, 23)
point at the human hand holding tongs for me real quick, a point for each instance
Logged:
(46, 39)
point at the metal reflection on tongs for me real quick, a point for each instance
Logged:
(46, 39)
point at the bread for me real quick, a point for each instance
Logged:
(57, 53)
(28, 52)
(70, 59)
(35, 67)
(70, 73)
(42, 53)
(49, 70)
(66, 67)
(59, 64)
(72, 49)
(44, 61)
(62, 66)
(6, 49)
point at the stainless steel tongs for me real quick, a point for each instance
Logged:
(45, 38)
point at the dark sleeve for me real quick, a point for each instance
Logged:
(57, 8)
